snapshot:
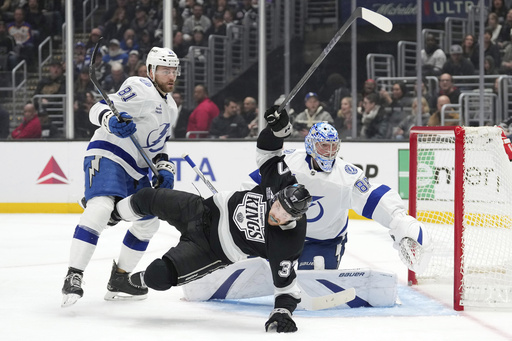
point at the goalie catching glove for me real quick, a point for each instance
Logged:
(122, 127)
(279, 122)
(280, 320)
(412, 241)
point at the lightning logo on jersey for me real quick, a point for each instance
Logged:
(95, 167)
(249, 217)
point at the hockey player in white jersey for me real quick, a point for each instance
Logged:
(337, 186)
(115, 169)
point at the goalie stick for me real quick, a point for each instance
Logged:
(308, 302)
(374, 18)
(94, 80)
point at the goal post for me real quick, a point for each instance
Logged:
(460, 188)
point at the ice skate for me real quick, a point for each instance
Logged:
(126, 286)
(72, 289)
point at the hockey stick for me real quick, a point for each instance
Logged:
(327, 301)
(199, 173)
(94, 80)
(374, 18)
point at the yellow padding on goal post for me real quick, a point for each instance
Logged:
(470, 219)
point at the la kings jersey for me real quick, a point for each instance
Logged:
(243, 228)
(153, 115)
(336, 192)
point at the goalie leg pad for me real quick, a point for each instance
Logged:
(373, 288)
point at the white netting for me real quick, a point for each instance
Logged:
(487, 223)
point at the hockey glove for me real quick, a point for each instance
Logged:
(280, 320)
(412, 241)
(166, 172)
(278, 122)
(122, 127)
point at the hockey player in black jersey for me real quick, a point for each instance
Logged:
(268, 221)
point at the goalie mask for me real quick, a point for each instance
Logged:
(164, 57)
(323, 144)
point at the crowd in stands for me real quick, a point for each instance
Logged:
(130, 28)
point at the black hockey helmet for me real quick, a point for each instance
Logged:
(295, 199)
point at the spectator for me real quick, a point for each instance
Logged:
(313, 113)
(201, 117)
(177, 20)
(375, 123)
(178, 45)
(369, 87)
(343, 119)
(21, 31)
(335, 90)
(218, 26)
(230, 124)
(151, 8)
(504, 37)
(432, 57)
(491, 49)
(250, 109)
(180, 130)
(142, 22)
(79, 59)
(401, 132)
(198, 38)
(198, 19)
(127, 7)
(55, 83)
(94, 37)
(8, 57)
(146, 43)
(187, 8)
(83, 84)
(48, 129)
(398, 102)
(229, 18)
(101, 68)
(35, 17)
(435, 119)
(115, 79)
(115, 27)
(115, 54)
(447, 88)
(133, 63)
(499, 7)
(489, 67)
(142, 70)
(243, 10)
(30, 128)
(130, 41)
(506, 63)
(4, 123)
(494, 25)
(83, 126)
(470, 50)
(457, 65)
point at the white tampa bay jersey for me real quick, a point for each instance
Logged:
(335, 193)
(153, 116)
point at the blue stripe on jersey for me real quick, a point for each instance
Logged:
(134, 243)
(256, 176)
(86, 234)
(373, 200)
(222, 292)
(119, 152)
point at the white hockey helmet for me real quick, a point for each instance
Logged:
(323, 144)
(162, 56)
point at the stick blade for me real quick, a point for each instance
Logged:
(328, 301)
(376, 19)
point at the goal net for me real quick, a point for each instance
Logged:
(460, 187)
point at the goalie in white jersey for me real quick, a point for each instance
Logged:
(337, 186)
(115, 169)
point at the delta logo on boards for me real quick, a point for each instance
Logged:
(52, 174)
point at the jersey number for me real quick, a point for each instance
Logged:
(363, 185)
(126, 94)
(286, 265)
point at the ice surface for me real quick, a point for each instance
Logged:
(34, 251)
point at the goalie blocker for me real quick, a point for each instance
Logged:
(251, 278)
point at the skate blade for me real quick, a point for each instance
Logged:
(121, 296)
(69, 299)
